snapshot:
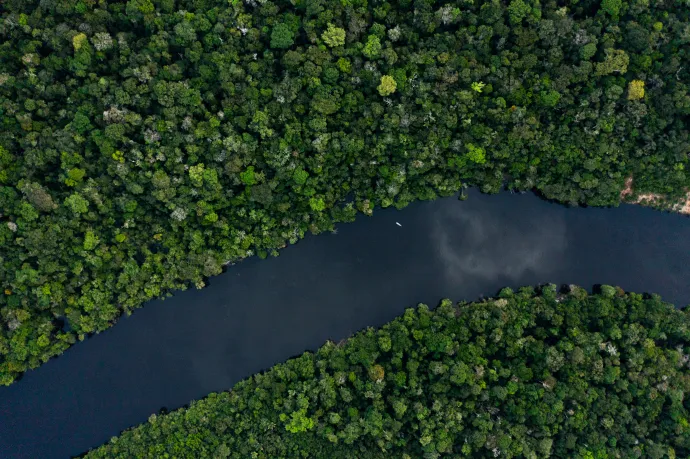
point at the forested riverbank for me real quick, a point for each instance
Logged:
(327, 287)
(146, 143)
(526, 374)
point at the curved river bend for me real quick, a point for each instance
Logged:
(261, 312)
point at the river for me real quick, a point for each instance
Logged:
(261, 312)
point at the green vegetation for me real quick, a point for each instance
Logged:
(146, 143)
(524, 375)
(387, 86)
(334, 36)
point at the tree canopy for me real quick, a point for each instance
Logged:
(146, 143)
(527, 374)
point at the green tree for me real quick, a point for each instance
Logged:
(248, 177)
(282, 37)
(387, 85)
(612, 7)
(478, 86)
(317, 204)
(300, 176)
(550, 98)
(588, 51)
(372, 48)
(77, 203)
(518, 10)
(298, 422)
(636, 90)
(616, 61)
(90, 240)
(476, 154)
(333, 36)
(78, 41)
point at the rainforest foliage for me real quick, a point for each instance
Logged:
(524, 375)
(146, 143)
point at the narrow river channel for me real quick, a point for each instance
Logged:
(261, 312)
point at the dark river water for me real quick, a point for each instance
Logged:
(261, 312)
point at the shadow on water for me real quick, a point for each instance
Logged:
(261, 312)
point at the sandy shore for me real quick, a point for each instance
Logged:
(650, 199)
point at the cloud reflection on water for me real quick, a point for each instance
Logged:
(472, 241)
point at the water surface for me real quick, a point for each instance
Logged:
(261, 312)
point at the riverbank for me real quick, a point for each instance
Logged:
(532, 373)
(327, 287)
(139, 158)
(654, 200)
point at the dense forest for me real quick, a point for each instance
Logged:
(146, 143)
(529, 374)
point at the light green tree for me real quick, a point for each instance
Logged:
(478, 86)
(387, 86)
(635, 90)
(616, 61)
(298, 421)
(334, 36)
(90, 240)
(372, 49)
(78, 41)
(196, 174)
(475, 154)
(77, 203)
